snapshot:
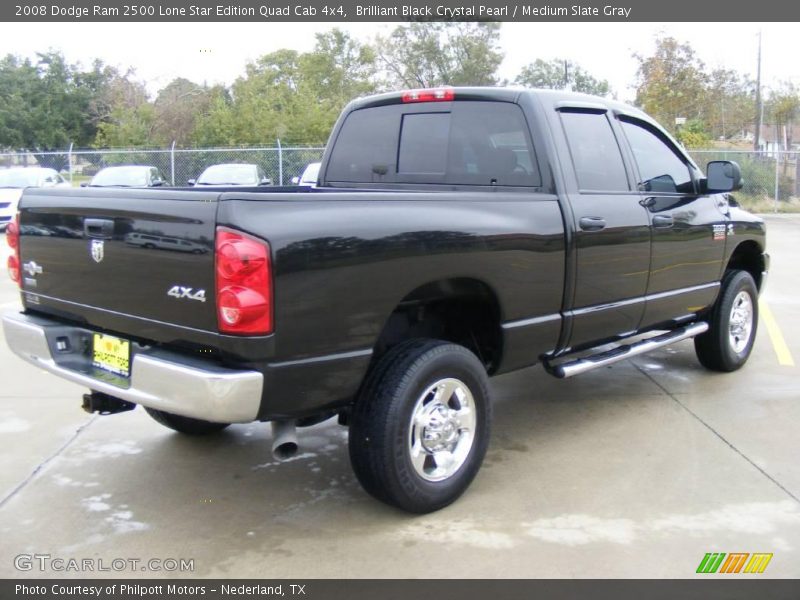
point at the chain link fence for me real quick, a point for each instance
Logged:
(178, 165)
(771, 178)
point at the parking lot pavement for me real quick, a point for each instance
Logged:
(636, 470)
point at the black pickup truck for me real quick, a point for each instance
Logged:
(454, 234)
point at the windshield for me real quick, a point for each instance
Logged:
(121, 176)
(311, 174)
(19, 178)
(229, 175)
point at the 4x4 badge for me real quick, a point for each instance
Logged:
(97, 250)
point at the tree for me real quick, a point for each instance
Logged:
(729, 103)
(672, 83)
(336, 71)
(339, 67)
(127, 126)
(48, 104)
(291, 96)
(212, 126)
(126, 117)
(433, 54)
(118, 90)
(18, 84)
(560, 74)
(177, 108)
(264, 102)
(783, 108)
(693, 134)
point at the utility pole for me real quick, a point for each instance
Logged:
(759, 107)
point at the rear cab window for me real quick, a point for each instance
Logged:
(473, 143)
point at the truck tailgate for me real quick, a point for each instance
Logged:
(146, 254)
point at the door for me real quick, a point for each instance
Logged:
(688, 230)
(612, 233)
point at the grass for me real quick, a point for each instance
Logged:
(764, 204)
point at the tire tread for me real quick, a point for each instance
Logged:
(374, 456)
(186, 425)
(711, 347)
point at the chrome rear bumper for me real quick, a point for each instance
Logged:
(175, 383)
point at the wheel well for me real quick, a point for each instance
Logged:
(462, 311)
(748, 257)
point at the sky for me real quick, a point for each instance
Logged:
(217, 52)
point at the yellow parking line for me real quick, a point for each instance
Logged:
(775, 336)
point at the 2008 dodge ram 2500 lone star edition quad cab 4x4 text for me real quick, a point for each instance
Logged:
(454, 234)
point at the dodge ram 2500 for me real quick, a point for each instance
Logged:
(455, 234)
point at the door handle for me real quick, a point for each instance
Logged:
(98, 228)
(663, 221)
(592, 223)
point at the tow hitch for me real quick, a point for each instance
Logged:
(98, 402)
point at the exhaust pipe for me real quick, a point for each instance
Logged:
(284, 439)
(98, 402)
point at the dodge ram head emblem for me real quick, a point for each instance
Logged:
(97, 250)
(32, 269)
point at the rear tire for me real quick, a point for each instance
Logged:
(185, 425)
(420, 427)
(733, 322)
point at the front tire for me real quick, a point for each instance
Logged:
(420, 427)
(733, 322)
(185, 425)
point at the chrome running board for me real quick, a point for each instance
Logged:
(624, 351)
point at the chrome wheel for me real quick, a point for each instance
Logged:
(420, 427)
(740, 323)
(442, 429)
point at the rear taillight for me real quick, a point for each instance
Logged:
(444, 94)
(12, 238)
(244, 284)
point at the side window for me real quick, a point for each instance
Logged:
(595, 152)
(660, 167)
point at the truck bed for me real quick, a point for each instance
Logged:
(369, 250)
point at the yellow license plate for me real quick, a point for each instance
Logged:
(111, 354)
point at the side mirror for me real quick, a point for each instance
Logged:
(191, 181)
(84, 184)
(158, 183)
(265, 181)
(723, 176)
(295, 180)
